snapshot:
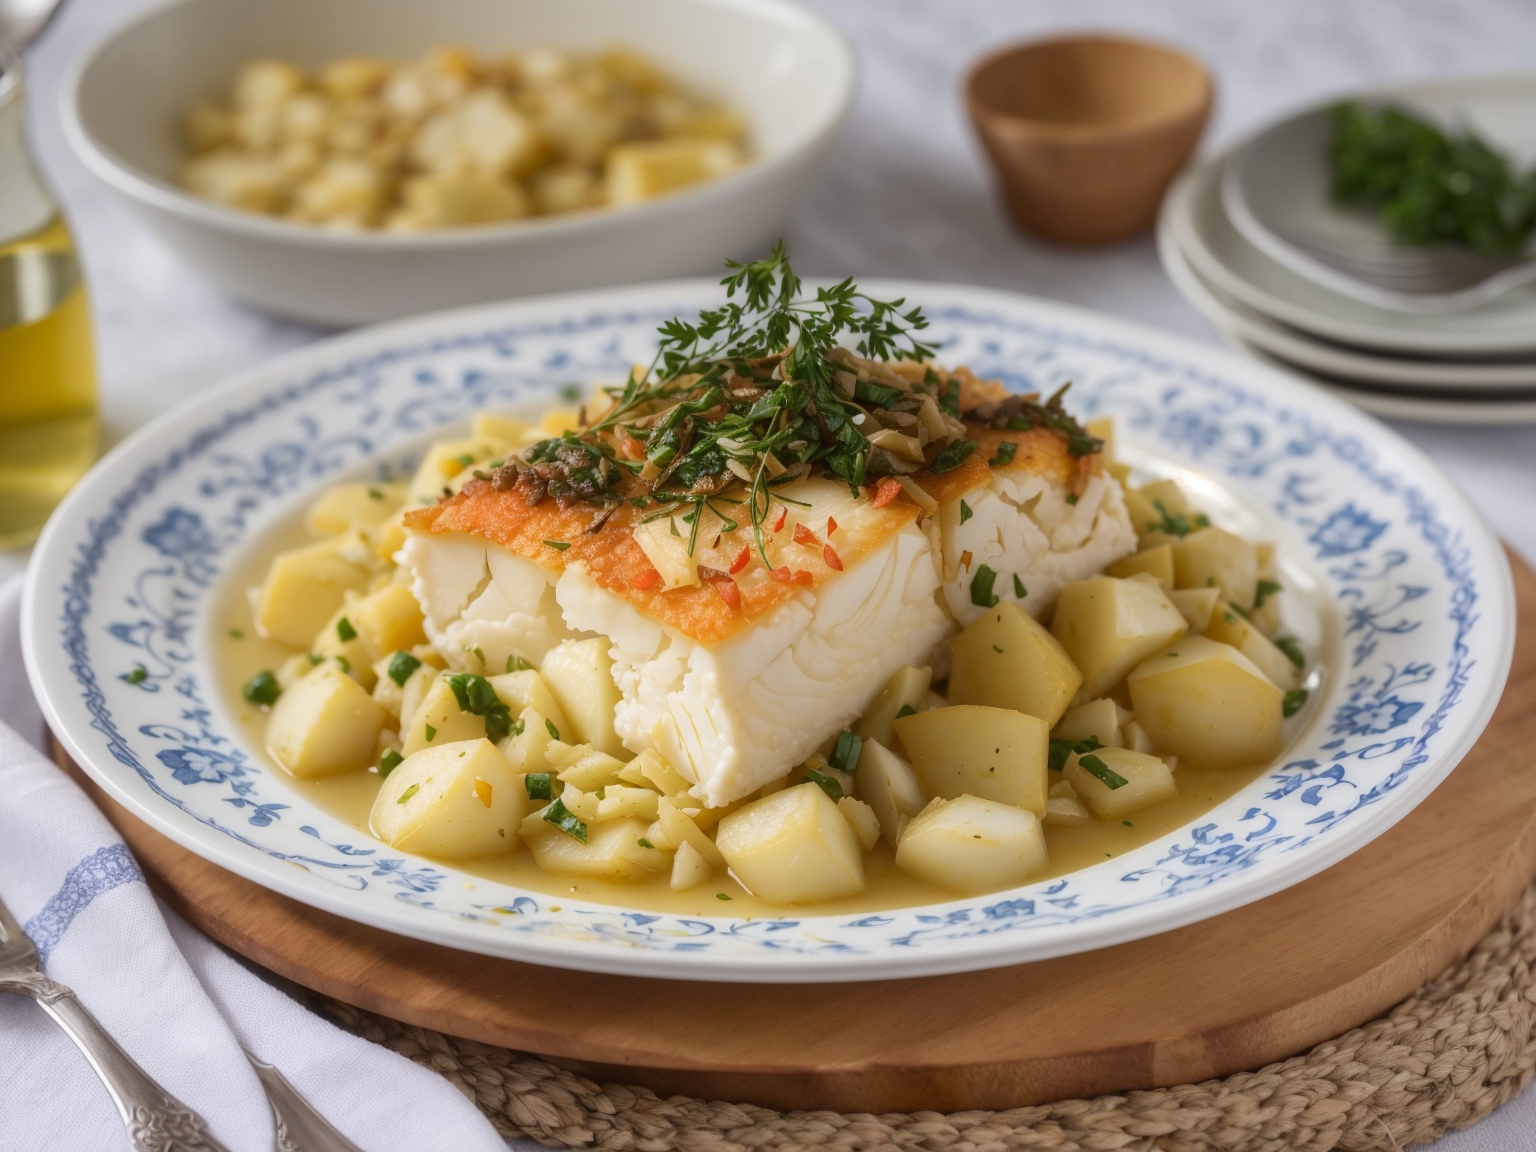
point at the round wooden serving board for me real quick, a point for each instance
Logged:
(1222, 996)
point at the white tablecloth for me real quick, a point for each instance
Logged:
(907, 195)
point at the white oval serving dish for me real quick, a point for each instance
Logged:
(124, 100)
(130, 567)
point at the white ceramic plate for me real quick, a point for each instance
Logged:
(1192, 209)
(1415, 408)
(1237, 320)
(1417, 598)
(1278, 184)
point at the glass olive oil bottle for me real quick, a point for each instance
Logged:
(48, 431)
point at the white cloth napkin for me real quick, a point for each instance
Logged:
(178, 1004)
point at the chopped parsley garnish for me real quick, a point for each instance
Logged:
(539, 785)
(518, 726)
(139, 674)
(570, 393)
(981, 587)
(408, 793)
(401, 665)
(1061, 751)
(965, 512)
(1428, 186)
(516, 663)
(375, 494)
(1004, 454)
(431, 733)
(1173, 523)
(261, 688)
(1072, 497)
(236, 634)
(906, 710)
(997, 649)
(476, 696)
(952, 456)
(1292, 650)
(1266, 589)
(845, 753)
(721, 896)
(826, 783)
(876, 394)
(562, 818)
(1018, 587)
(949, 399)
(557, 545)
(346, 665)
(316, 658)
(389, 762)
(644, 843)
(1295, 699)
(345, 631)
(549, 726)
(1102, 772)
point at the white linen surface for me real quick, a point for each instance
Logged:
(908, 195)
(173, 999)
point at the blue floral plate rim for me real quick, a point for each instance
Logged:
(163, 515)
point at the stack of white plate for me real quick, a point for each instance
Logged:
(1474, 365)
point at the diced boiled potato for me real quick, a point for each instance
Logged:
(1208, 703)
(689, 869)
(618, 801)
(1108, 626)
(612, 850)
(1212, 558)
(905, 689)
(454, 801)
(305, 587)
(1196, 604)
(387, 620)
(559, 421)
(481, 134)
(646, 169)
(348, 507)
(324, 724)
(526, 689)
(971, 844)
(674, 827)
(1064, 807)
(1229, 626)
(444, 460)
(1156, 562)
(662, 776)
(995, 753)
(412, 692)
(454, 199)
(1096, 720)
(1117, 781)
(294, 668)
(530, 739)
(793, 847)
(350, 652)
(1008, 660)
(579, 803)
(438, 721)
(889, 786)
(1134, 737)
(495, 426)
(579, 673)
(588, 768)
(861, 818)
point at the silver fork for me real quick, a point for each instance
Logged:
(156, 1121)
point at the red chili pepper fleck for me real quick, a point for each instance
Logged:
(831, 557)
(778, 525)
(741, 560)
(782, 575)
(647, 579)
(803, 577)
(804, 535)
(729, 592)
(831, 526)
(887, 491)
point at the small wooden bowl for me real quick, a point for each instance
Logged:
(1088, 131)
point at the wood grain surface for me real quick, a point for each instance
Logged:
(1231, 993)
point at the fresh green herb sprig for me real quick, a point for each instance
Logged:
(476, 696)
(1428, 186)
(1061, 751)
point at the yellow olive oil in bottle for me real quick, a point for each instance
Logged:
(48, 431)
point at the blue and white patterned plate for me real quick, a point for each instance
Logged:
(1418, 614)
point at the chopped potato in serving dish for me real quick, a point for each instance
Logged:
(454, 139)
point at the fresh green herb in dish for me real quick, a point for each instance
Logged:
(1428, 186)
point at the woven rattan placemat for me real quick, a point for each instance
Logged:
(1442, 1059)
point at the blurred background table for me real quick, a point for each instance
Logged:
(907, 194)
